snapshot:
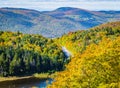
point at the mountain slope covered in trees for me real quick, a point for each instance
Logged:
(96, 58)
(76, 42)
(25, 54)
(53, 23)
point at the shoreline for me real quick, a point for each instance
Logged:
(38, 76)
(3, 79)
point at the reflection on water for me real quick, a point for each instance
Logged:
(26, 83)
(44, 83)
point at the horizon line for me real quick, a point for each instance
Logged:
(41, 10)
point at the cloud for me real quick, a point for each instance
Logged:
(53, 4)
(56, 0)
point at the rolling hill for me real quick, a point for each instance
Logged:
(95, 62)
(26, 54)
(53, 23)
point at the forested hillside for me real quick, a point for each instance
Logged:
(76, 42)
(96, 58)
(25, 54)
(53, 23)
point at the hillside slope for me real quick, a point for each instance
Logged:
(53, 23)
(25, 54)
(76, 42)
(96, 59)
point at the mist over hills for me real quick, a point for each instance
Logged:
(53, 23)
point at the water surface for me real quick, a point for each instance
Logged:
(26, 83)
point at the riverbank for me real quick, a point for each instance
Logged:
(34, 81)
(39, 76)
(13, 78)
(45, 75)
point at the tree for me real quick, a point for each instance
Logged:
(1, 64)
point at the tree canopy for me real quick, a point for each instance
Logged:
(96, 58)
(22, 54)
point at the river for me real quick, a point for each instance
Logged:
(26, 83)
(66, 52)
(31, 82)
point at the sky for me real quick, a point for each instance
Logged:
(47, 5)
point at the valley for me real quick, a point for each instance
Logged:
(80, 47)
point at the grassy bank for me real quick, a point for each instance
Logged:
(41, 75)
(13, 78)
(44, 75)
(36, 75)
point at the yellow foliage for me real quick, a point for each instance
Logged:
(98, 66)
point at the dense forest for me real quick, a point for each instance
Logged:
(95, 61)
(24, 54)
(53, 23)
(76, 42)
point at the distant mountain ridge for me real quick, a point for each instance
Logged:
(53, 23)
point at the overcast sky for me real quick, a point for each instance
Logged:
(53, 4)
